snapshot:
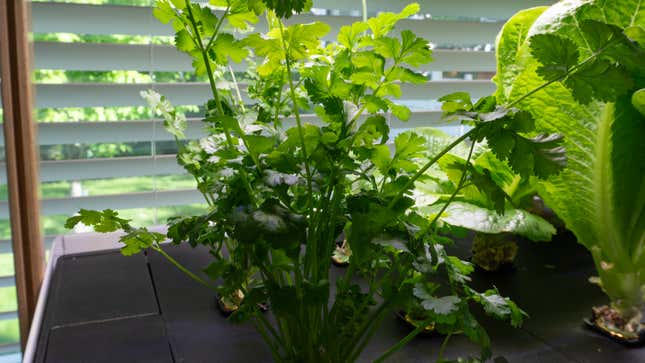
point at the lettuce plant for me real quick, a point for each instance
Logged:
(599, 110)
(280, 190)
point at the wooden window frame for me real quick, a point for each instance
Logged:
(21, 155)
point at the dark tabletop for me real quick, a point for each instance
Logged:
(104, 307)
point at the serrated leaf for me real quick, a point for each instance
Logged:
(163, 11)
(556, 54)
(600, 80)
(184, 41)
(401, 112)
(349, 35)
(409, 145)
(227, 46)
(501, 307)
(442, 305)
(415, 51)
(286, 8)
(373, 128)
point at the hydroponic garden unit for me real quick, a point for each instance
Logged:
(330, 239)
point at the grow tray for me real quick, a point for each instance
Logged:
(103, 307)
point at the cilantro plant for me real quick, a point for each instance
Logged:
(590, 53)
(280, 190)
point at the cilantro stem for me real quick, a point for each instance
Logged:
(213, 85)
(365, 11)
(217, 27)
(403, 341)
(296, 112)
(181, 267)
(443, 347)
(237, 88)
(459, 185)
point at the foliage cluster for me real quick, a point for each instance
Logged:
(590, 53)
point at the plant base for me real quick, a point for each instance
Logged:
(229, 305)
(341, 254)
(494, 252)
(608, 322)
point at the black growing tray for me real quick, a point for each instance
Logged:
(104, 307)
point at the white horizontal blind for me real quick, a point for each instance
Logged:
(100, 146)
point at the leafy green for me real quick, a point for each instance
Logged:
(600, 193)
(473, 217)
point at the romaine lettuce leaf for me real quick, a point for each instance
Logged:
(601, 193)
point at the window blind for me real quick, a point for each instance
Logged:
(102, 148)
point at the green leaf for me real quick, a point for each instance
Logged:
(441, 305)
(599, 80)
(556, 54)
(163, 11)
(501, 307)
(599, 195)
(401, 112)
(541, 155)
(373, 128)
(381, 158)
(479, 219)
(286, 8)
(454, 102)
(226, 46)
(415, 51)
(184, 41)
(406, 75)
(409, 145)
(102, 221)
(384, 22)
(350, 35)
(508, 44)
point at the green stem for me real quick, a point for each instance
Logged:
(182, 268)
(459, 185)
(365, 10)
(219, 24)
(296, 112)
(443, 348)
(274, 350)
(213, 85)
(403, 341)
(373, 323)
(237, 89)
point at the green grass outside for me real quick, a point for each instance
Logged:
(9, 331)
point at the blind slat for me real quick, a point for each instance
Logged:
(142, 57)
(111, 19)
(490, 9)
(189, 93)
(85, 132)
